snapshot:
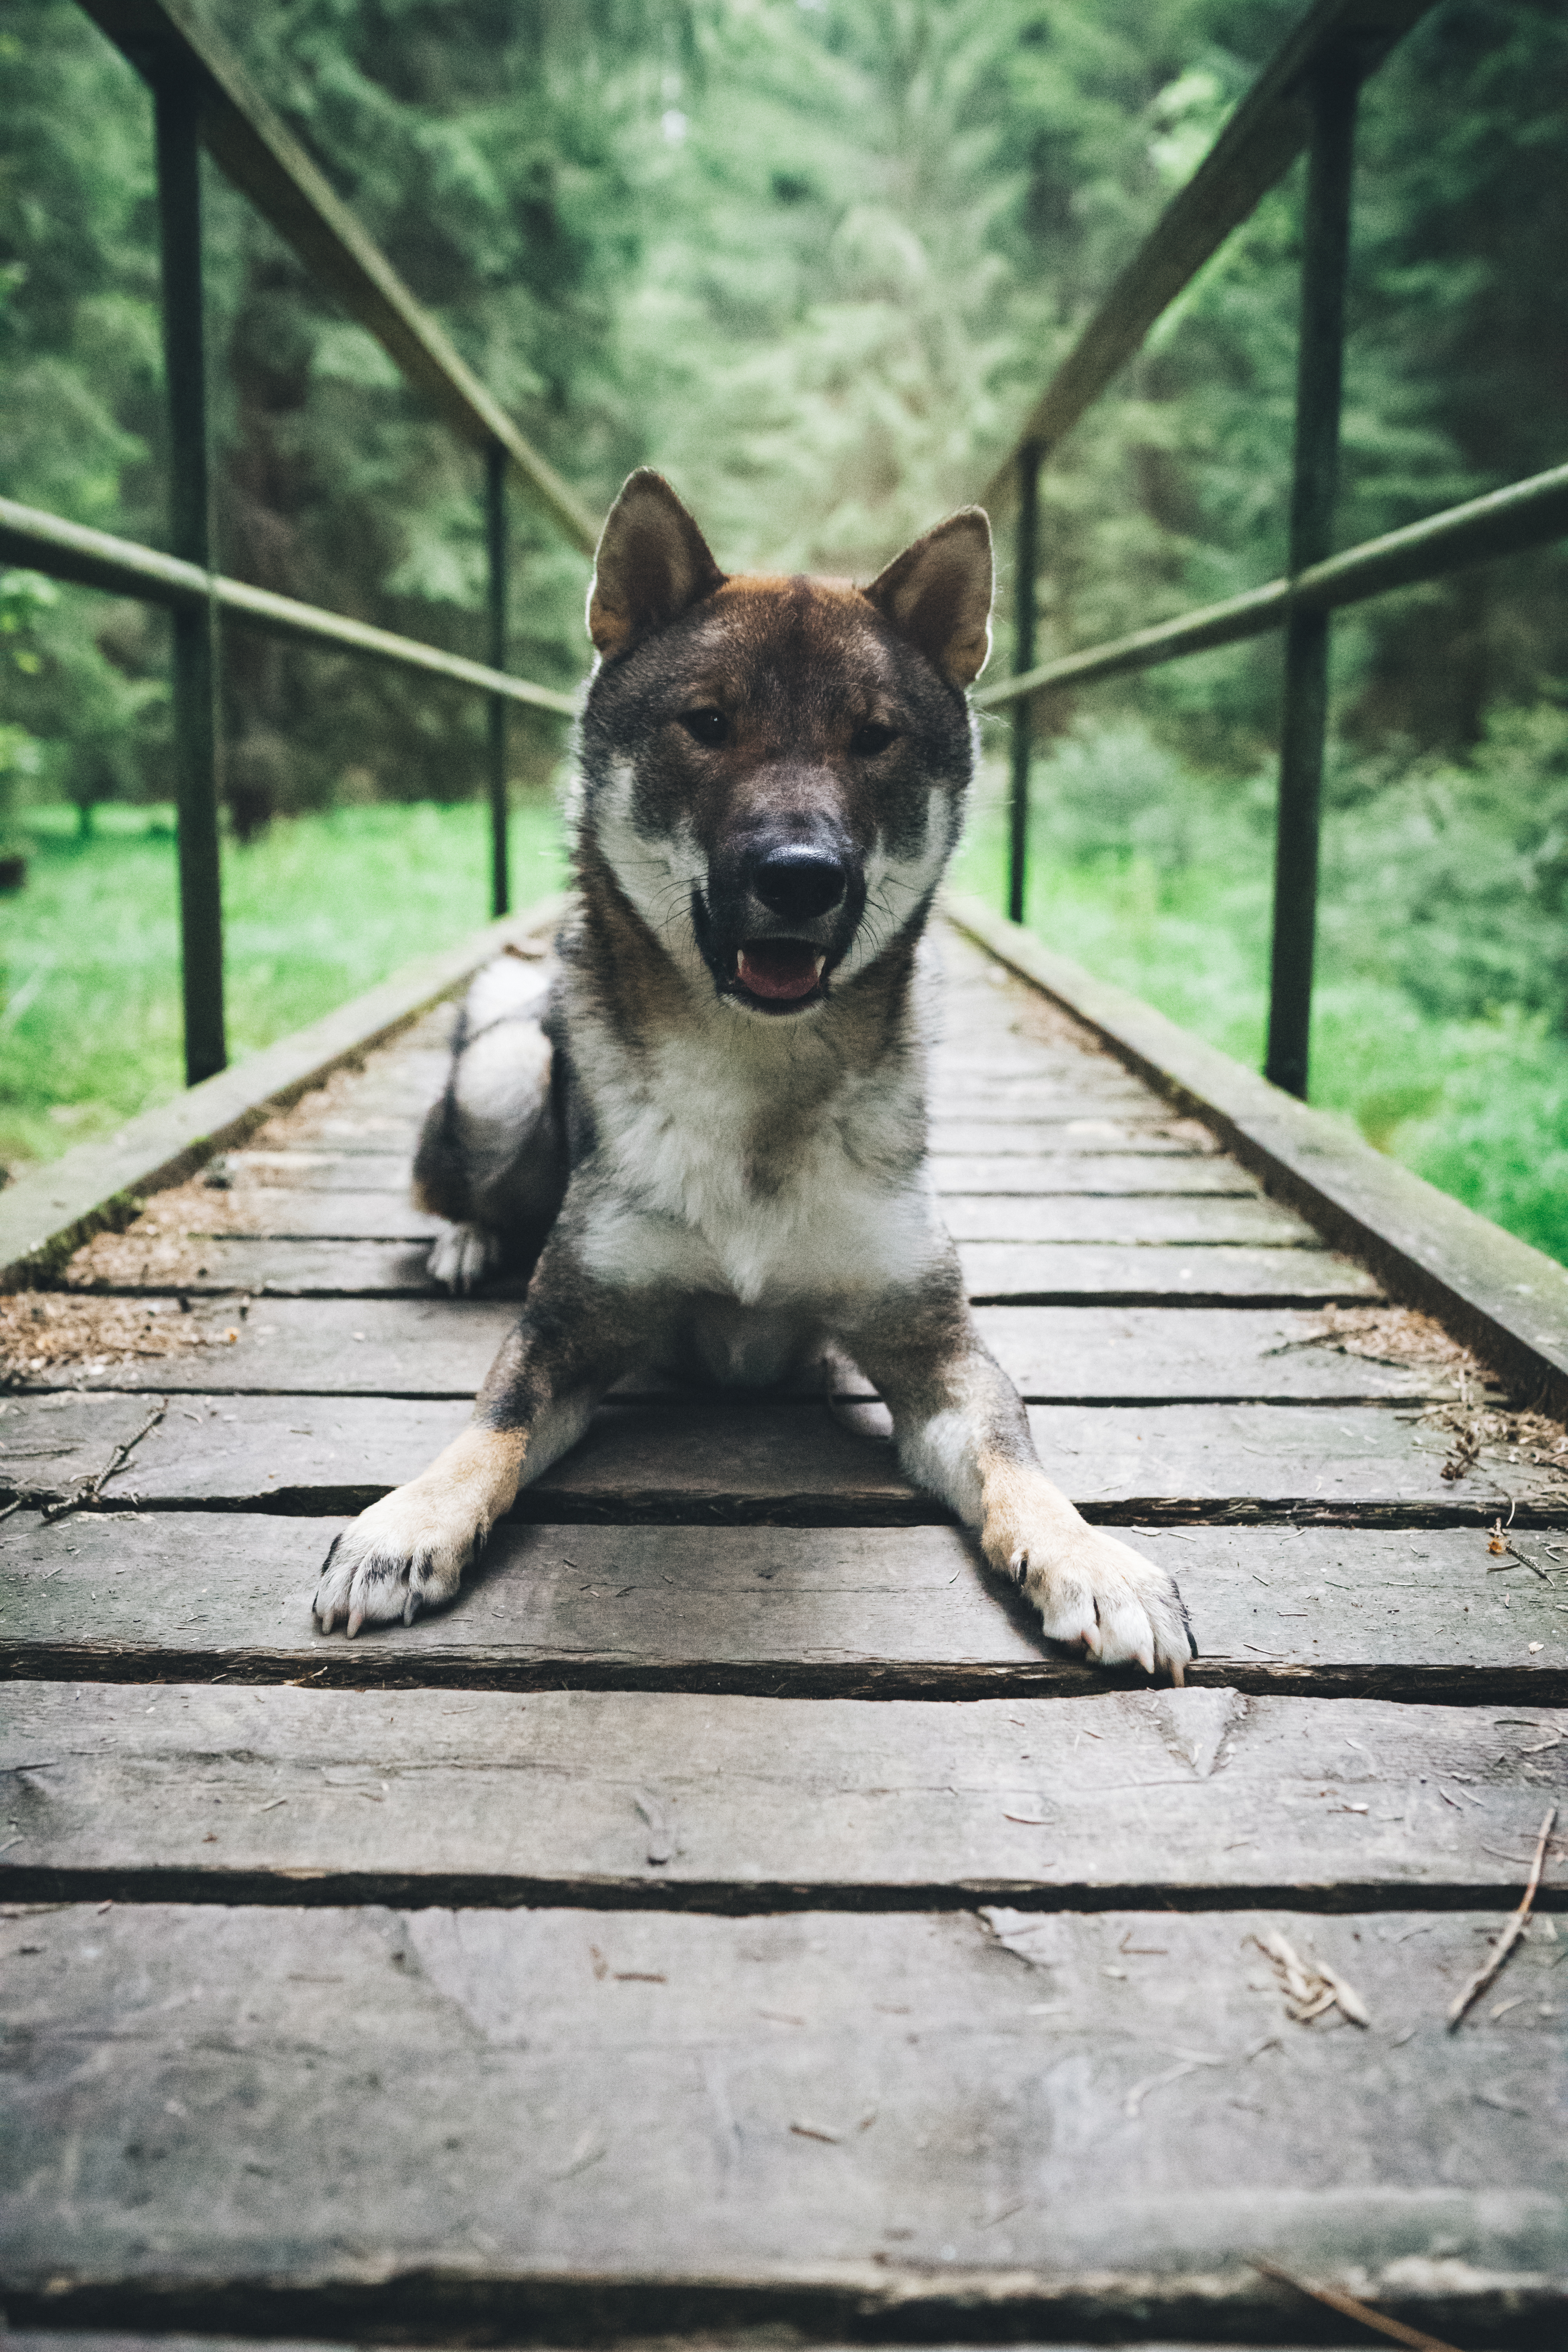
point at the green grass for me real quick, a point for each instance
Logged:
(317, 909)
(1478, 1106)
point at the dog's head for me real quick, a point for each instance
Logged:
(775, 769)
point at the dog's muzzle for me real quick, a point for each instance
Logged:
(777, 920)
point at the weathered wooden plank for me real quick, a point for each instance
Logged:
(1104, 1088)
(1051, 1172)
(1035, 1273)
(440, 1346)
(763, 1459)
(246, 1262)
(1147, 1223)
(857, 1611)
(1159, 1132)
(548, 2124)
(289, 1213)
(276, 1213)
(338, 1169)
(1168, 1170)
(1046, 1274)
(370, 1131)
(134, 1790)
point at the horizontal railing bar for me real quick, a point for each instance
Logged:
(1526, 514)
(93, 558)
(1254, 151)
(268, 164)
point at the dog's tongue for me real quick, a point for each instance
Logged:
(780, 969)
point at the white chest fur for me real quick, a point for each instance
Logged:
(726, 1164)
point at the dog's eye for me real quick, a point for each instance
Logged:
(867, 740)
(709, 727)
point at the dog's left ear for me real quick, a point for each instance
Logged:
(652, 564)
(938, 594)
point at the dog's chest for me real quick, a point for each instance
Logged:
(763, 1181)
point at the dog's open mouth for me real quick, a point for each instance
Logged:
(778, 973)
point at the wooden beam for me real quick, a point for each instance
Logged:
(771, 1461)
(560, 2126)
(1255, 149)
(193, 1792)
(96, 559)
(431, 1347)
(868, 1612)
(1034, 1274)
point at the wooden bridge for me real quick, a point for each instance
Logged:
(731, 1915)
(731, 1921)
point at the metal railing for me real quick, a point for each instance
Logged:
(201, 98)
(1306, 96)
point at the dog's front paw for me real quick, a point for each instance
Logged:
(406, 1553)
(462, 1256)
(1098, 1593)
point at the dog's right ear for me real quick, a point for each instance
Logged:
(652, 564)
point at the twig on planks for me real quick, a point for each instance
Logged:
(1492, 1967)
(1348, 2304)
(90, 1492)
(1310, 1989)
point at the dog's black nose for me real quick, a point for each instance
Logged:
(799, 883)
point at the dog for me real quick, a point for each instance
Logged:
(712, 1129)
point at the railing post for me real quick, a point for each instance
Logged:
(1325, 261)
(176, 103)
(496, 537)
(1026, 565)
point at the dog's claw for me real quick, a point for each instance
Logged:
(356, 1619)
(412, 1607)
(326, 1618)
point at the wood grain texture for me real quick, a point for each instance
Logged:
(1037, 1273)
(137, 1790)
(319, 1169)
(1155, 1132)
(443, 1348)
(1046, 1274)
(1047, 1173)
(276, 1213)
(1168, 1170)
(291, 1212)
(541, 2123)
(1148, 1222)
(859, 1612)
(730, 1462)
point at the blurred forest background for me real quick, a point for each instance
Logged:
(814, 258)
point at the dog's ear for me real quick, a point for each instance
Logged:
(938, 594)
(652, 563)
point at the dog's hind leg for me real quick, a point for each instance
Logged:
(491, 1158)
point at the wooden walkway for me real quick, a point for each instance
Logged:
(731, 1915)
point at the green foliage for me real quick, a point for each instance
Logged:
(314, 912)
